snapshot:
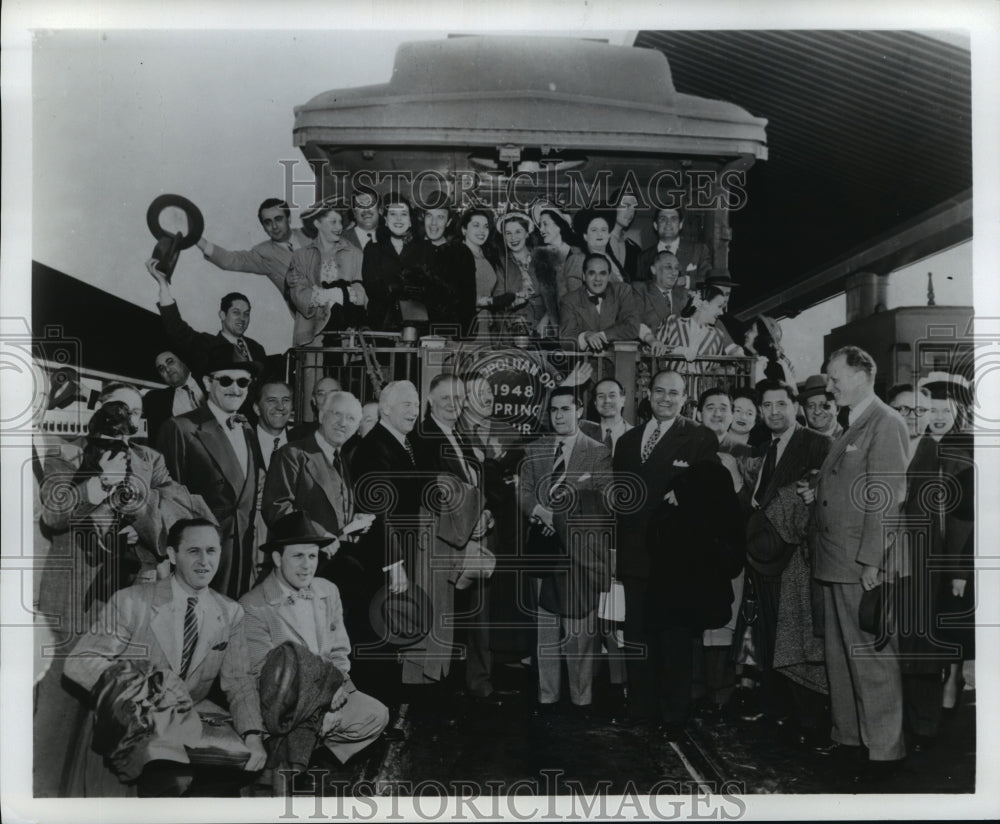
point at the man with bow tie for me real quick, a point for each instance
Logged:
(291, 604)
(270, 257)
(695, 258)
(848, 546)
(599, 311)
(214, 453)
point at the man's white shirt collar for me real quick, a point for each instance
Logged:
(221, 415)
(327, 448)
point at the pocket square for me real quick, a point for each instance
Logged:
(221, 645)
(681, 463)
(586, 476)
(850, 448)
(691, 267)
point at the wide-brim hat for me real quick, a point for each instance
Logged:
(721, 279)
(766, 551)
(223, 357)
(771, 325)
(295, 528)
(875, 614)
(195, 221)
(401, 619)
(947, 384)
(814, 385)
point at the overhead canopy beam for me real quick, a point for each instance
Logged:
(947, 224)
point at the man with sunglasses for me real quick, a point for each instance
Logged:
(213, 452)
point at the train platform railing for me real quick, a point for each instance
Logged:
(520, 370)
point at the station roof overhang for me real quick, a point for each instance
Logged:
(869, 151)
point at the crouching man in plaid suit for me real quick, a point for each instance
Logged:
(293, 606)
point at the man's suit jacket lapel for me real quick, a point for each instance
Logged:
(668, 444)
(275, 595)
(214, 439)
(211, 630)
(324, 635)
(163, 624)
(449, 457)
(851, 434)
(789, 467)
(328, 480)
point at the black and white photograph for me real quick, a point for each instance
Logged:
(537, 412)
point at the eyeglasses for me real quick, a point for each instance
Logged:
(906, 411)
(227, 381)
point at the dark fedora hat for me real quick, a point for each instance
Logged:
(766, 551)
(721, 280)
(814, 385)
(401, 619)
(875, 613)
(222, 357)
(196, 223)
(294, 528)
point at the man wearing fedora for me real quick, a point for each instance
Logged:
(187, 632)
(848, 550)
(774, 577)
(214, 453)
(234, 316)
(270, 257)
(819, 408)
(292, 604)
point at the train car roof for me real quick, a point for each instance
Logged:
(568, 94)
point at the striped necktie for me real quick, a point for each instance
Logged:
(190, 636)
(409, 451)
(558, 470)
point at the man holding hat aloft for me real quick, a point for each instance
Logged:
(293, 605)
